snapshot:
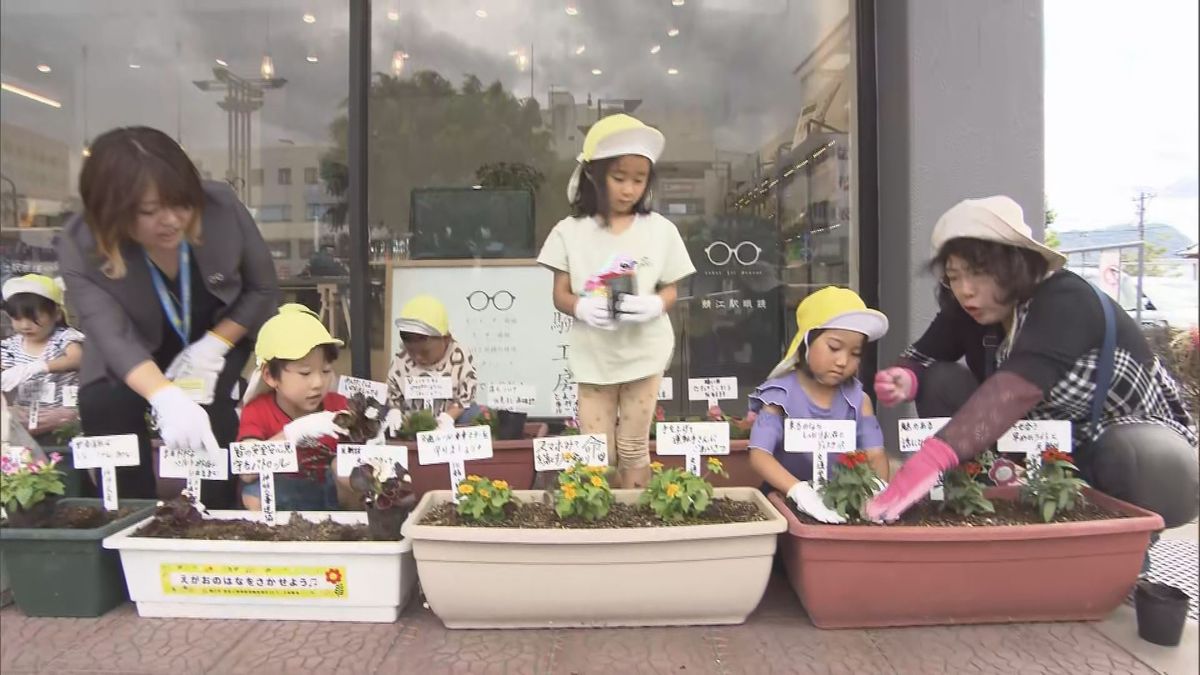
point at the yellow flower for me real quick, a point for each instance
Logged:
(465, 488)
(570, 469)
(483, 492)
(656, 466)
(597, 481)
(569, 456)
(569, 491)
(500, 484)
(672, 490)
(597, 470)
(714, 463)
(473, 478)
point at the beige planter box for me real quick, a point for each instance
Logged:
(477, 577)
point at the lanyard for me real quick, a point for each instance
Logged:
(182, 326)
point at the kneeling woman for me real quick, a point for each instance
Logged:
(1033, 337)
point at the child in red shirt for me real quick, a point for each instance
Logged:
(289, 399)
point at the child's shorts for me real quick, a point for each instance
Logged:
(296, 493)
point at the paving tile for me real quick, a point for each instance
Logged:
(1074, 647)
(635, 651)
(779, 600)
(303, 647)
(423, 645)
(28, 644)
(769, 645)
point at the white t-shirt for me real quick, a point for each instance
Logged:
(582, 248)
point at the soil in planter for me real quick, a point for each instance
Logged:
(74, 517)
(927, 513)
(540, 516)
(296, 529)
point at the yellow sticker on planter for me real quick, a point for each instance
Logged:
(253, 581)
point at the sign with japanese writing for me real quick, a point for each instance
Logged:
(428, 388)
(177, 463)
(70, 396)
(382, 457)
(712, 389)
(263, 457)
(913, 432)
(566, 400)
(1031, 437)
(666, 389)
(820, 437)
(511, 396)
(692, 439)
(454, 447)
(349, 386)
(106, 453)
(276, 582)
(548, 453)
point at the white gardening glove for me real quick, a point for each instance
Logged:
(394, 421)
(808, 501)
(15, 376)
(204, 360)
(316, 425)
(182, 423)
(880, 485)
(593, 310)
(445, 422)
(640, 308)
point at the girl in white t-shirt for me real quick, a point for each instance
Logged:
(617, 360)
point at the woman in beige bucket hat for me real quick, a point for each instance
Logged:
(1036, 347)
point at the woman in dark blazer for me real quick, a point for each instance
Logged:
(170, 279)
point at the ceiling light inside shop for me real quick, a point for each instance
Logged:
(597, 71)
(309, 18)
(267, 69)
(673, 32)
(514, 52)
(578, 50)
(678, 3)
(672, 71)
(656, 49)
(135, 66)
(87, 152)
(222, 63)
(572, 10)
(311, 58)
(398, 58)
(19, 91)
(43, 68)
(481, 13)
(522, 62)
(393, 16)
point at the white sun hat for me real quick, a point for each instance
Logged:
(999, 219)
(616, 136)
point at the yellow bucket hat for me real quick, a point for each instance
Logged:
(615, 136)
(37, 284)
(291, 334)
(832, 307)
(424, 315)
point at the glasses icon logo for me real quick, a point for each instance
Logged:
(479, 300)
(720, 253)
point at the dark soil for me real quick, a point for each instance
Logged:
(540, 516)
(296, 529)
(72, 517)
(927, 513)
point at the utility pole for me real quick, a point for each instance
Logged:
(1141, 211)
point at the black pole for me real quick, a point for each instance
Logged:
(868, 167)
(360, 279)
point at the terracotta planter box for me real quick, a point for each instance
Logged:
(515, 578)
(737, 463)
(860, 576)
(511, 461)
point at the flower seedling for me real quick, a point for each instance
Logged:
(964, 492)
(25, 483)
(853, 484)
(363, 418)
(1052, 486)
(417, 422)
(583, 491)
(739, 427)
(482, 499)
(393, 493)
(674, 494)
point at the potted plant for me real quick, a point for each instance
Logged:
(386, 502)
(312, 566)
(981, 555)
(737, 464)
(509, 546)
(51, 545)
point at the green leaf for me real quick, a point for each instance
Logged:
(1048, 511)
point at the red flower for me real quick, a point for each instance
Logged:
(852, 459)
(972, 468)
(660, 415)
(333, 576)
(1052, 454)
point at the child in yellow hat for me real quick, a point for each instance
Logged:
(428, 349)
(42, 356)
(816, 380)
(295, 356)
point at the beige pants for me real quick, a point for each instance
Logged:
(633, 403)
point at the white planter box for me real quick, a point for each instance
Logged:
(281, 580)
(487, 577)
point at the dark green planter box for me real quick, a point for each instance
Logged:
(61, 572)
(73, 479)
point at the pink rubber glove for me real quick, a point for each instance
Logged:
(913, 481)
(895, 385)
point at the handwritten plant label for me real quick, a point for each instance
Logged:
(106, 453)
(666, 389)
(566, 401)
(454, 447)
(276, 582)
(712, 389)
(511, 396)
(548, 453)
(428, 388)
(820, 437)
(693, 440)
(1031, 437)
(265, 458)
(349, 386)
(913, 432)
(193, 466)
(382, 457)
(70, 396)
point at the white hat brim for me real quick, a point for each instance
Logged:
(417, 326)
(19, 285)
(869, 322)
(646, 142)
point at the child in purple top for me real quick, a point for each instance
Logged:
(816, 380)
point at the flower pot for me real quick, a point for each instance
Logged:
(1161, 612)
(510, 426)
(498, 577)
(737, 465)
(849, 576)
(224, 579)
(30, 517)
(384, 524)
(511, 461)
(65, 572)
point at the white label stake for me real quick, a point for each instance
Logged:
(265, 458)
(712, 389)
(548, 453)
(106, 453)
(266, 491)
(193, 489)
(819, 437)
(109, 479)
(349, 386)
(193, 467)
(913, 432)
(693, 440)
(1031, 437)
(454, 447)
